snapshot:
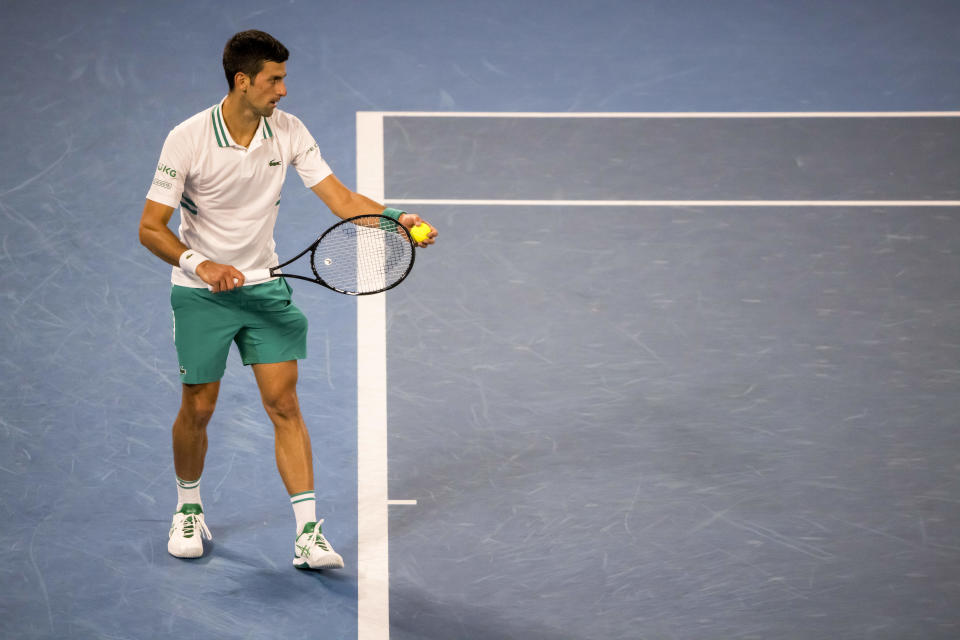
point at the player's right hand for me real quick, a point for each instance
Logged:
(220, 277)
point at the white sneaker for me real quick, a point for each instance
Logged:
(312, 551)
(187, 532)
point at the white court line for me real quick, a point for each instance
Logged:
(676, 203)
(373, 562)
(670, 114)
(402, 502)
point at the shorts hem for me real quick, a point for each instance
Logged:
(273, 360)
(200, 379)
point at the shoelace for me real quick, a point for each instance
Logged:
(189, 522)
(316, 536)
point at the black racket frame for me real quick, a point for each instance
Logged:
(312, 250)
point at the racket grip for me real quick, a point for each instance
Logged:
(256, 275)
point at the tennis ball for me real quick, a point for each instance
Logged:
(420, 232)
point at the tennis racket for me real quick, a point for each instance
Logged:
(357, 256)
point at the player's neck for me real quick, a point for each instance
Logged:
(240, 118)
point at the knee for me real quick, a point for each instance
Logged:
(197, 409)
(282, 407)
(196, 417)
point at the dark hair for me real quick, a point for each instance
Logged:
(248, 50)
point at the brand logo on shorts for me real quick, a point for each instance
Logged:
(183, 371)
(274, 163)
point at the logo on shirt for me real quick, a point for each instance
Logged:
(170, 171)
(274, 163)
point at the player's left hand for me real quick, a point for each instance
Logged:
(410, 220)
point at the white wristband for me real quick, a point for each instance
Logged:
(190, 259)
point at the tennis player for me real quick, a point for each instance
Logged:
(225, 168)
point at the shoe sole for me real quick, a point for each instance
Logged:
(192, 553)
(300, 563)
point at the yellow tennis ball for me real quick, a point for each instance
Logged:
(420, 232)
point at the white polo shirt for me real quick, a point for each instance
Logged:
(229, 195)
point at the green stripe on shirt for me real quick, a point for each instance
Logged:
(219, 123)
(213, 117)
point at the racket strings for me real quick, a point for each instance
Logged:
(367, 255)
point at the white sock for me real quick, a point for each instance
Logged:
(304, 508)
(188, 492)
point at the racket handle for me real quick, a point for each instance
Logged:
(256, 275)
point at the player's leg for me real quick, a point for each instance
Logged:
(189, 527)
(274, 338)
(278, 389)
(204, 327)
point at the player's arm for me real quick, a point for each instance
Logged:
(156, 236)
(345, 203)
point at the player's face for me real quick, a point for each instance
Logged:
(267, 88)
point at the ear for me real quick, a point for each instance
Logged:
(241, 81)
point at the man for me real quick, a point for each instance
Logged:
(224, 168)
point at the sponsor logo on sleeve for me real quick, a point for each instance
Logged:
(170, 171)
(165, 171)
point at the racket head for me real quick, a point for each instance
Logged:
(363, 255)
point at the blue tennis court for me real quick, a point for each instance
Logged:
(683, 364)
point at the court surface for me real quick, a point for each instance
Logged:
(684, 363)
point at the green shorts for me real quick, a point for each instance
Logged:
(261, 319)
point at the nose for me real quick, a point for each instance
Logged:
(283, 89)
